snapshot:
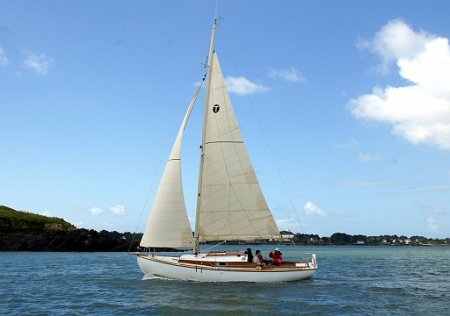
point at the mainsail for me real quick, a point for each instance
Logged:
(168, 224)
(232, 205)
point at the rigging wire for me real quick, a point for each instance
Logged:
(163, 155)
(276, 165)
(161, 159)
(272, 156)
(217, 9)
(215, 245)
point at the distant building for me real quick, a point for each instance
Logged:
(287, 237)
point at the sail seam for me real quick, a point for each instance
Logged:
(225, 141)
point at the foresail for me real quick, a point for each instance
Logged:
(232, 204)
(168, 224)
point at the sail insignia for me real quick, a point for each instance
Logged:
(232, 203)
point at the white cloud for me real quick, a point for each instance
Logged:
(3, 59)
(348, 144)
(368, 157)
(343, 214)
(40, 64)
(118, 209)
(433, 209)
(290, 74)
(420, 111)
(242, 86)
(311, 209)
(96, 211)
(107, 226)
(432, 225)
(363, 184)
(395, 40)
(291, 224)
(437, 209)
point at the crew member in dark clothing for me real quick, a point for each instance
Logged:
(249, 254)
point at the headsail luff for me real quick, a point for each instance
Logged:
(168, 224)
(232, 204)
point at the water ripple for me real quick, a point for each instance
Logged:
(350, 281)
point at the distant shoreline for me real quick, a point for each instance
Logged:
(25, 231)
(83, 240)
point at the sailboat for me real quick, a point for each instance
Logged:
(230, 203)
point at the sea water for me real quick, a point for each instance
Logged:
(354, 280)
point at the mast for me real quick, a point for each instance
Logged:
(202, 147)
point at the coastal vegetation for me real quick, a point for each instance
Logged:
(12, 219)
(25, 231)
(380, 240)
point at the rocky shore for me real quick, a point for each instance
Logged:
(23, 231)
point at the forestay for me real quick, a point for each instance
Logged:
(168, 224)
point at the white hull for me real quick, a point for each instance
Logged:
(174, 268)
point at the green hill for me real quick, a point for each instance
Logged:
(11, 219)
(24, 231)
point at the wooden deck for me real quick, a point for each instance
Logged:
(245, 265)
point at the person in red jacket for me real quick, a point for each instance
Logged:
(277, 257)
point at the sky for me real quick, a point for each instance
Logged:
(344, 107)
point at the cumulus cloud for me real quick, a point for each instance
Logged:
(438, 209)
(395, 40)
(3, 59)
(343, 214)
(118, 209)
(291, 224)
(108, 226)
(419, 111)
(368, 157)
(96, 211)
(348, 144)
(432, 208)
(363, 184)
(432, 225)
(40, 64)
(242, 86)
(290, 74)
(313, 210)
